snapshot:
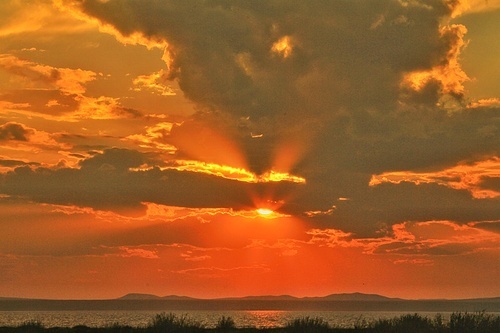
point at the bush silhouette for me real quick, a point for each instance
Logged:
(31, 326)
(472, 323)
(308, 325)
(170, 323)
(410, 323)
(225, 324)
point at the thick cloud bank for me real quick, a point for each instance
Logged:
(337, 92)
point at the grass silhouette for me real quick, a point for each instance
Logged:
(459, 322)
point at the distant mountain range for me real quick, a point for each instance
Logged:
(333, 297)
(347, 297)
(333, 302)
(135, 296)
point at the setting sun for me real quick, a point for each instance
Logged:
(264, 211)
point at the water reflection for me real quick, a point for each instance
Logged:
(266, 319)
(259, 319)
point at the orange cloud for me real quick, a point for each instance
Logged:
(422, 262)
(463, 7)
(58, 90)
(69, 81)
(214, 272)
(20, 137)
(128, 251)
(133, 38)
(464, 176)
(171, 213)
(153, 83)
(229, 172)
(38, 17)
(283, 46)
(485, 102)
(101, 108)
(449, 74)
(313, 213)
(330, 237)
(414, 239)
(156, 136)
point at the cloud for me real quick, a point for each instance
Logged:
(215, 272)
(351, 72)
(107, 181)
(430, 238)
(471, 177)
(14, 131)
(58, 93)
(7, 164)
(437, 238)
(323, 94)
(475, 6)
(34, 16)
(153, 83)
(18, 136)
(448, 74)
(68, 81)
(230, 55)
(138, 252)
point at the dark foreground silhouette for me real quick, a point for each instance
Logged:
(480, 322)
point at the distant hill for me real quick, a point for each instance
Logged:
(262, 298)
(137, 297)
(360, 297)
(352, 297)
(134, 297)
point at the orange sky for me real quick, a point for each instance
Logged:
(227, 149)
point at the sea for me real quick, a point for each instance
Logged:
(258, 319)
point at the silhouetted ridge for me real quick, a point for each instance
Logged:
(352, 297)
(263, 298)
(135, 296)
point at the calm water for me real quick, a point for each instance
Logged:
(258, 319)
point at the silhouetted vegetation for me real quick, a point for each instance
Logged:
(480, 322)
(166, 323)
(225, 324)
(31, 326)
(474, 322)
(307, 324)
(410, 323)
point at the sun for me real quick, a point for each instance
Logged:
(264, 211)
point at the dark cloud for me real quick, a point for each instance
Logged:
(418, 139)
(491, 183)
(327, 75)
(106, 182)
(117, 159)
(16, 163)
(14, 131)
(341, 79)
(370, 209)
(221, 52)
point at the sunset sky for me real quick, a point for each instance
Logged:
(232, 148)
